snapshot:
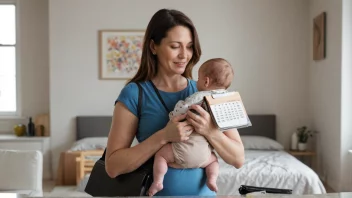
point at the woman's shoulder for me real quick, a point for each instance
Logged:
(129, 96)
(133, 89)
(130, 89)
(192, 83)
(133, 86)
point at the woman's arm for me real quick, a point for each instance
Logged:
(120, 158)
(227, 144)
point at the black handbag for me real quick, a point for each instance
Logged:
(135, 183)
(244, 189)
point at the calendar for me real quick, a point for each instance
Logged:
(227, 110)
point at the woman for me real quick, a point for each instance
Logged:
(171, 48)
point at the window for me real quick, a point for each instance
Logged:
(8, 88)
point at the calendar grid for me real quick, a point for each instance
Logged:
(229, 114)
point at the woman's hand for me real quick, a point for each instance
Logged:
(178, 130)
(202, 123)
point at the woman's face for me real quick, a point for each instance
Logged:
(175, 50)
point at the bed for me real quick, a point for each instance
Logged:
(91, 139)
(266, 162)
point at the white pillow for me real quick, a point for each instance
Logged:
(252, 142)
(91, 143)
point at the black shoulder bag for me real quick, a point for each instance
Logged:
(135, 183)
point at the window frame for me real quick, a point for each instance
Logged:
(18, 112)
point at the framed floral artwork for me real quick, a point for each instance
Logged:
(120, 53)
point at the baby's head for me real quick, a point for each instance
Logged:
(215, 73)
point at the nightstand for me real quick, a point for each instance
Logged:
(303, 155)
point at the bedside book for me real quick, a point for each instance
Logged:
(227, 110)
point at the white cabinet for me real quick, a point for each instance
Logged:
(30, 143)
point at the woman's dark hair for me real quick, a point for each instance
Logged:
(161, 22)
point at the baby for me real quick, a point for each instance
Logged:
(214, 76)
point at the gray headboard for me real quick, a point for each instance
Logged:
(92, 126)
(262, 125)
(99, 126)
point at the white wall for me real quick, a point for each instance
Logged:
(325, 91)
(33, 44)
(346, 97)
(266, 42)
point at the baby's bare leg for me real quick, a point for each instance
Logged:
(212, 171)
(161, 159)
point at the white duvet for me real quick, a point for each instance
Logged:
(276, 169)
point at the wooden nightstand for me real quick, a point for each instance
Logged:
(303, 155)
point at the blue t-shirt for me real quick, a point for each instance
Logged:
(154, 117)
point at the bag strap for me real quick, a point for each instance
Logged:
(159, 96)
(139, 109)
(139, 106)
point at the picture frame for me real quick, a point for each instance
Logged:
(319, 37)
(120, 53)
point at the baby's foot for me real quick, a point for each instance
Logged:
(211, 183)
(154, 188)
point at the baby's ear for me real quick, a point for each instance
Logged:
(207, 81)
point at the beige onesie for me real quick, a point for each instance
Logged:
(196, 151)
